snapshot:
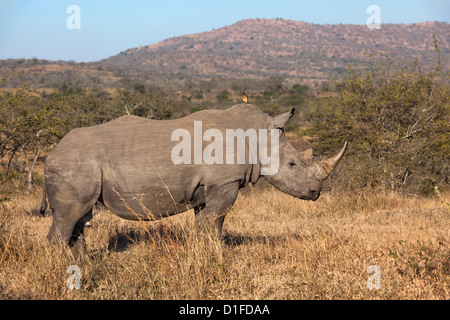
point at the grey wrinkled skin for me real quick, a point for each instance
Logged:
(126, 165)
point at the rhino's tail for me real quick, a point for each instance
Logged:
(44, 203)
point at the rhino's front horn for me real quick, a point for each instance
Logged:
(329, 164)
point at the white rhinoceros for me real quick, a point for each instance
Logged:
(135, 168)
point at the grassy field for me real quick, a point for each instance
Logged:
(273, 247)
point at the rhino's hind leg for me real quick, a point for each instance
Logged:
(78, 230)
(67, 230)
(71, 213)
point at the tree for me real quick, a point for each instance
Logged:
(30, 125)
(25, 128)
(139, 102)
(223, 96)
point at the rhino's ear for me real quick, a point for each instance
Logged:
(279, 121)
(307, 154)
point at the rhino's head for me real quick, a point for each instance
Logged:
(298, 174)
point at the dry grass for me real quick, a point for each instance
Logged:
(274, 247)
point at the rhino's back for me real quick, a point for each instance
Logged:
(117, 135)
(131, 135)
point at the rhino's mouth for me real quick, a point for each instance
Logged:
(313, 196)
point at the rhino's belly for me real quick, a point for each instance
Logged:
(148, 205)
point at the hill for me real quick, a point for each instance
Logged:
(294, 51)
(256, 48)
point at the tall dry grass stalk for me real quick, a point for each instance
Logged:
(273, 247)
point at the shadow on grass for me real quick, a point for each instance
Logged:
(159, 235)
(234, 240)
(163, 235)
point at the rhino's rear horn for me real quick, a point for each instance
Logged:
(329, 164)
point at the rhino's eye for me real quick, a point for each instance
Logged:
(292, 163)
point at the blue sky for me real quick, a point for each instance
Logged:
(38, 28)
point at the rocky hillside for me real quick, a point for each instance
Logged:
(295, 51)
(257, 48)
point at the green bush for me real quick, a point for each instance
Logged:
(223, 96)
(300, 89)
(396, 119)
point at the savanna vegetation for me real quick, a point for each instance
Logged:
(387, 204)
(274, 247)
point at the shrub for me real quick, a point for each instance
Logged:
(396, 119)
(223, 96)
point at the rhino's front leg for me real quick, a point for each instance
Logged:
(216, 205)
